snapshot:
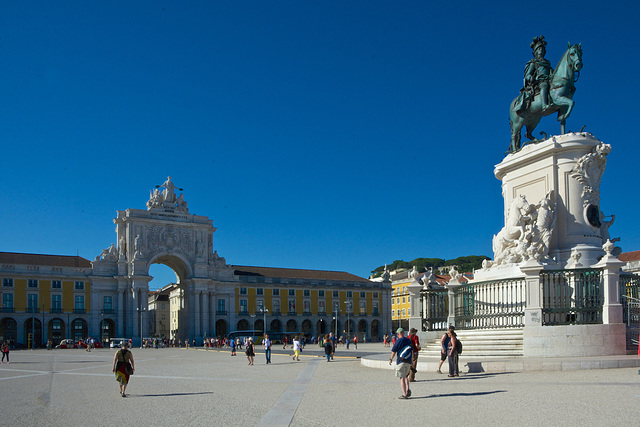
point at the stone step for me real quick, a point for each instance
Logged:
(482, 343)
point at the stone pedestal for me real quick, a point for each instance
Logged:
(567, 169)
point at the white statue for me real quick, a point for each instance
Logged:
(526, 234)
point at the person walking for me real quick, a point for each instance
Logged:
(250, 351)
(266, 343)
(296, 348)
(444, 348)
(328, 347)
(333, 344)
(403, 349)
(453, 355)
(123, 367)
(233, 346)
(415, 341)
(355, 341)
(5, 352)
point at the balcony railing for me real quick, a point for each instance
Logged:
(292, 313)
(33, 310)
(7, 310)
(79, 311)
(55, 310)
(376, 313)
(322, 313)
(243, 313)
(221, 312)
(306, 313)
(276, 313)
(108, 311)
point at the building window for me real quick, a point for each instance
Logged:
(162, 306)
(276, 292)
(408, 299)
(306, 306)
(335, 294)
(393, 301)
(375, 295)
(404, 313)
(362, 295)
(79, 285)
(107, 304)
(404, 289)
(275, 306)
(259, 306)
(398, 313)
(56, 284)
(243, 306)
(32, 283)
(221, 308)
(292, 306)
(363, 307)
(306, 293)
(408, 312)
(260, 291)
(7, 300)
(404, 300)
(7, 282)
(56, 303)
(79, 302)
(32, 303)
(292, 292)
(243, 291)
(162, 317)
(336, 306)
(375, 308)
(321, 308)
(349, 294)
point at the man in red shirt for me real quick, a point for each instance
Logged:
(415, 342)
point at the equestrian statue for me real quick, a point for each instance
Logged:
(545, 90)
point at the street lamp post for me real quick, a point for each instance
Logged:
(140, 311)
(264, 312)
(335, 320)
(347, 305)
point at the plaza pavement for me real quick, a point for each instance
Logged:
(198, 387)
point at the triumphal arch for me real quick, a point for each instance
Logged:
(166, 234)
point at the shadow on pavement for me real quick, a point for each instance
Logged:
(480, 393)
(168, 394)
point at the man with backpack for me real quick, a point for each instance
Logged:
(453, 354)
(403, 348)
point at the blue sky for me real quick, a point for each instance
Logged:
(320, 135)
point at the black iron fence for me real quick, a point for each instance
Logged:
(436, 304)
(571, 297)
(490, 305)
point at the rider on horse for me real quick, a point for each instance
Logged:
(537, 74)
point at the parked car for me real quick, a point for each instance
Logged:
(67, 343)
(114, 344)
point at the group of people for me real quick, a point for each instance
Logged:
(449, 351)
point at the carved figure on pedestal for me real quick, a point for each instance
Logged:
(526, 234)
(168, 194)
(137, 247)
(122, 248)
(545, 91)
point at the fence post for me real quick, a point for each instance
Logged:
(415, 320)
(610, 265)
(453, 284)
(533, 309)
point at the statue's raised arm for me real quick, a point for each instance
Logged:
(544, 90)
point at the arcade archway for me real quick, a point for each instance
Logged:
(33, 329)
(56, 329)
(8, 329)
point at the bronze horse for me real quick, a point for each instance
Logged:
(560, 95)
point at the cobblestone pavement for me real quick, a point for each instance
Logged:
(198, 387)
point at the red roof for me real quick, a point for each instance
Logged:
(39, 259)
(629, 256)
